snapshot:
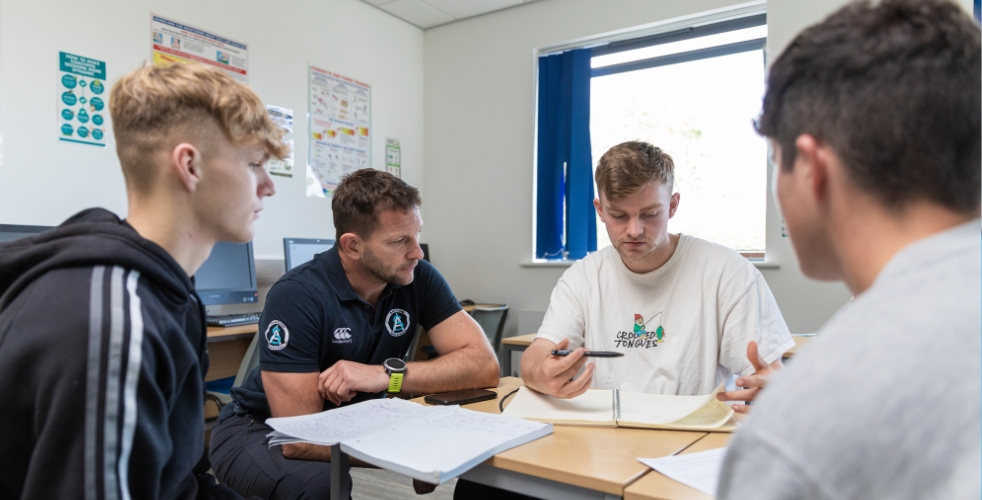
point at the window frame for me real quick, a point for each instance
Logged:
(673, 30)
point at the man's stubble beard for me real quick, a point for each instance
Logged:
(374, 266)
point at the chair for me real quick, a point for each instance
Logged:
(249, 362)
(492, 321)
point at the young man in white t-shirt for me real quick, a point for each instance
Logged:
(687, 314)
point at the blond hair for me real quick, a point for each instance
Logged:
(627, 167)
(150, 104)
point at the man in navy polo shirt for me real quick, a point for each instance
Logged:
(335, 331)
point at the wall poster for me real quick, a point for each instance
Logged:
(177, 42)
(340, 118)
(283, 118)
(82, 100)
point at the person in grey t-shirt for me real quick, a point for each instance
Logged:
(874, 120)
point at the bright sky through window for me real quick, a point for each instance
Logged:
(701, 113)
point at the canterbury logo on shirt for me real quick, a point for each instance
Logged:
(342, 336)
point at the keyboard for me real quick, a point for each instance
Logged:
(234, 319)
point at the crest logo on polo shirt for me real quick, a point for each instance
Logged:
(342, 336)
(397, 322)
(277, 336)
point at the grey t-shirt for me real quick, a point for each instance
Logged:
(887, 401)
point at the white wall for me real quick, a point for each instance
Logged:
(43, 181)
(480, 102)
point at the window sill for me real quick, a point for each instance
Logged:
(546, 263)
(759, 264)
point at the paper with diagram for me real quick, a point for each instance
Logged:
(429, 443)
(340, 122)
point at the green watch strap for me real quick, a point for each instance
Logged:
(395, 382)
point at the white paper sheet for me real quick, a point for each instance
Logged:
(595, 405)
(698, 470)
(333, 426)
(441, 447)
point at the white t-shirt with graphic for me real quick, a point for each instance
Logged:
(683, 327)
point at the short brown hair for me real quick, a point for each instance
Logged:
(363, 195)
(627, 167)
(893, 88)
(149, 104)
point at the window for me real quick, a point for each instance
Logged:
(695, 98)
(692, 92)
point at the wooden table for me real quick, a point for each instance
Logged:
(655, 486)
(512, 344)
(574, 462)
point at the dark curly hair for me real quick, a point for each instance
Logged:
(894, 88)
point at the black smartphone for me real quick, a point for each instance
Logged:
(464, 397)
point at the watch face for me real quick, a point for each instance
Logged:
(395, 364)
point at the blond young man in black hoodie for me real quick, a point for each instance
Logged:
(102, 340)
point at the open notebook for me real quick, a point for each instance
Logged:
(614, 408)
(429, 443)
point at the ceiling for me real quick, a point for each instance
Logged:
(430, 13)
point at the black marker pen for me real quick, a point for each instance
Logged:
(593, 354)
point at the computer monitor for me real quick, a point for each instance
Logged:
(426, 251)
(11, 232)
(228, 276)
(297, 251)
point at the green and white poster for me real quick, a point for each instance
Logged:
(82, 100)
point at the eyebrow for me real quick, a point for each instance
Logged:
(645, 209)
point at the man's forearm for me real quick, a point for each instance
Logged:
(309, 451)
(465, 368)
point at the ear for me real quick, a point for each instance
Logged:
(599, 207)
(186, 161)
(812, 165)
(350, 244)
(673, 205)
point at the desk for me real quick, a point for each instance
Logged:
(574, 462)
(655, 486)
(512, 344)
(227, 346)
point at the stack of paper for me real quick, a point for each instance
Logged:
(429, 443)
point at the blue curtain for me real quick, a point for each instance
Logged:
(564, 164)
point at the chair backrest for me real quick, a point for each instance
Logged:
(492, 321)
(411, 352)
(249, 362)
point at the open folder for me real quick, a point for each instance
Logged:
(614, 408)
(430, 443)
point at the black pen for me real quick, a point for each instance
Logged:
(594, 354)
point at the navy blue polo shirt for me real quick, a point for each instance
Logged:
(313, 319)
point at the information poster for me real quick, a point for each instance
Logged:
(283, 118)
(177, 42)
(393, 157)
(81, 100)
(340, 117)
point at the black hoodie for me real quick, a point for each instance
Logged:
(102, 356)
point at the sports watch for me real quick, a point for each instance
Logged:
(396, 369)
